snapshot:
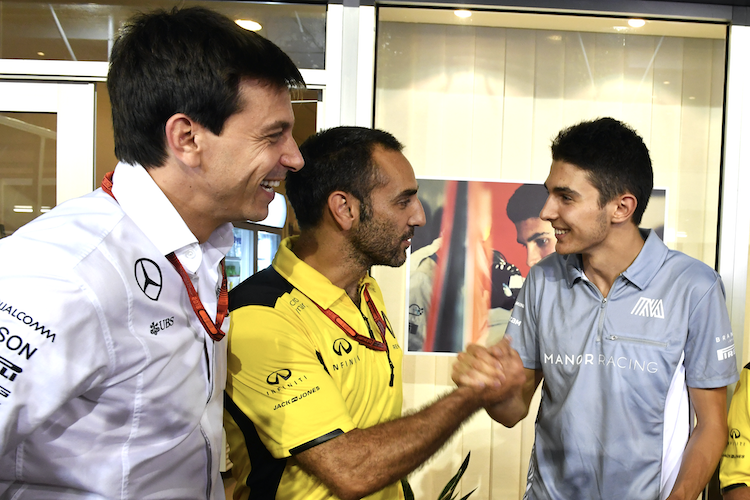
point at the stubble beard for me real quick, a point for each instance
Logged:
(373, 245)
(595, 237)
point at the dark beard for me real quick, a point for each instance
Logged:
(372, 245)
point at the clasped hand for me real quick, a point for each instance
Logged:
(495, 372)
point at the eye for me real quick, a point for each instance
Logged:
(404, 202)
(275, 136)
(542, 242)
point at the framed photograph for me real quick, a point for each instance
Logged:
(469, 260)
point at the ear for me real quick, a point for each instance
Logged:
(344, 209)
(625, 206)
(181, 134)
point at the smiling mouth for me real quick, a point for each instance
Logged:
(560, 232)
(270, 185)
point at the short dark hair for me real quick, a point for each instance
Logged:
(613, 155)
(190, 61)
(337, 159)
(526, 202)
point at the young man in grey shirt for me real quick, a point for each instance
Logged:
(632, 339)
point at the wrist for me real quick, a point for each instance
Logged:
(469, 399)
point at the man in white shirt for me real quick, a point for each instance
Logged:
(113, 305)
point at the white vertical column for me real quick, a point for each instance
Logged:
(349, 54)
(365, 86)
(76, 131)
(350, 65)
(334, 42)
(735, 203)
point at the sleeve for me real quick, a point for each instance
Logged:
(278, 381)
(734, 470)
(522, 326)
(709, 351)
(420, 295)
(52, 350)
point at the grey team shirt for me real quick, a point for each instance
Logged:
(614, 416)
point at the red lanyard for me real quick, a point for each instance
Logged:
(213, 329)
(368, 342)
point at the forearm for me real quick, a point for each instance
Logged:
(703, 451)
(509, 412)
(364, 461)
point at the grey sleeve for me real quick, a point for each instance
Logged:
(710, 360)
(522, 326)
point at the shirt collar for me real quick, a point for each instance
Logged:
(649, 260)
(150, 209)
(640, 272)
(305, 278)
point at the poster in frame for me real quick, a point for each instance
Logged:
(469, 260)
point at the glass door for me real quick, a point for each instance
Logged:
(47, 144)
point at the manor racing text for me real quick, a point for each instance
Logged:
(589, 359)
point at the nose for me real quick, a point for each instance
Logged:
(548, 212)
(291, 158)
(418, 219)
(533, 254)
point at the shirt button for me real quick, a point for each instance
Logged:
(190, 254)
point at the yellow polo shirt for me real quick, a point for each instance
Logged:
(296, 379)
(735, 463)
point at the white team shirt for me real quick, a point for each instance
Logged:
(109, 385)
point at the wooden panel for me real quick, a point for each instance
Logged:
(548, 102)
(488, 106)
(665, 133)
(639, 71)
(519, 102)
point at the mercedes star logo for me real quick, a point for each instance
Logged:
(148, 277)
(341, 346)
(276, 377)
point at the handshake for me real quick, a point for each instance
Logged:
(497, 376)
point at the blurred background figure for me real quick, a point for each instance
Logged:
(439, 299)
(535, 234)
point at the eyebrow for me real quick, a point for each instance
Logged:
(561, 190)
(533, 237)
(279, 124)
(406, 193)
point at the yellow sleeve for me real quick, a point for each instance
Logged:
(276, 379)
(735, 463)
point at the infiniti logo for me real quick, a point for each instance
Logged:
(148, 277)
(341, 346)
(276, 377)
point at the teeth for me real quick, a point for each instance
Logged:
(270, 184)
(561, 231)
